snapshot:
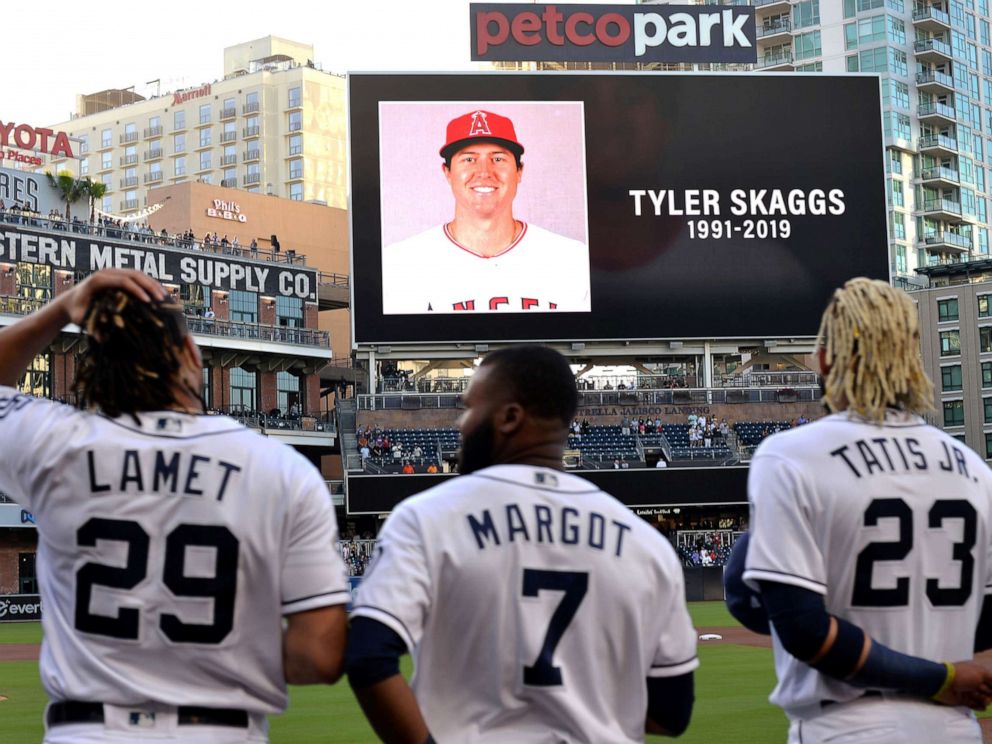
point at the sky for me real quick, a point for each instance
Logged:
(53, 51)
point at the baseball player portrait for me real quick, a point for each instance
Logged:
(536, 607)
(172, 545)
(870, 545)
(486, 257)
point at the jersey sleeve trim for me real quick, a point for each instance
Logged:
(314, 601)
(674, 670)
(753, 575)
(386, 618)
(988, 589)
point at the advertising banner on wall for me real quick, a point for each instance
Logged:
(32, 190)
(635, 206)
(19, 607)
(14, 515)
(82, 253)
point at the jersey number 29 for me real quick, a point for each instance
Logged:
(221, 587)
(898, 596)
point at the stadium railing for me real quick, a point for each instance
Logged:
(258, 331)
(317, 422)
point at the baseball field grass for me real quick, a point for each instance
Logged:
(732, 686)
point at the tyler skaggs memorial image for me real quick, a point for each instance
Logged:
(483, 207)
(579, 206)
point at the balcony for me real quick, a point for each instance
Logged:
(940, 177)
(105, 165)
(938, 145)
(935, 82)
(942, 209)
(930, 19)
(229, 183)
(252, 131)
(937, 115)
(129, 204)
(228, 113)
(129, 137)
(106, 144)
(153, 132)
(205, 144)
(295, 175)
(129, 183)
(228, 136)
(229, 160)
(934, 51)
(252, 155)
(776, 30)
(153, 177)
(777, 61)
(250, 108)
(762, 7)
(945, 242)
(129, 160)
(251, 179)
(153, 154)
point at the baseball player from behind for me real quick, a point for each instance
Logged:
(484, 260)
(870, 543)
(537, 607)
(171, 544)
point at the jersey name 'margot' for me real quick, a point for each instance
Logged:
(570, 527)
(161, 471)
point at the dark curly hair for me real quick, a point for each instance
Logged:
(133, 354)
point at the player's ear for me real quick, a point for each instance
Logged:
(509, 418)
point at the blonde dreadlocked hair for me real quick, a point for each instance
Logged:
(871, 333)
(133, 354)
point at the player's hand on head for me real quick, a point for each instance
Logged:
(971, 687)
(141, 286)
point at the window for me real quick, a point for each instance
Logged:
(897, 225)
(179, 143)
(251, 126)
(806, 13)
(205, 160)
(296, 144)
(988, 445)
(37, 378)
(244, 389)
(230, 131)
(950, 343)
(296, 191)
(947, 310)
(895, 93)
(84, 144)
(896, 196)
(953, 413)
(296, 168)
(985, 339)
(230, 176)
(950, 378)
(289, 312)
(180, 165)
(811, 67)
(288, 393)
(107, 205)
(852, 63)
(229, 107)
(179, 119)
(130, 128)
(808, 45)
(244, 306)
(295, 97)
(230, 154)
(106, 161)
(897, 126)
(84, 167)
(205, 137)
(874, 60)
(895, 30)
(205, 113)
(208, 387)
(895, 157)
(295, 121)
(195, 297)
(983, 306)
(901, 266)
(987, 406)
(898, 62)
(251, 101)
(154, 122)
(106, 138)
(34, 281)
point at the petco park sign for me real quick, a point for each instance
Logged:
(26, 137)
(612, 33)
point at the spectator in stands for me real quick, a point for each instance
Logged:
(616, 464)
(662, 463)
(408, 468)
(625, 426)
(432, 468)
(417, 453)
(253, 248)
(397, 450)
(365, 452)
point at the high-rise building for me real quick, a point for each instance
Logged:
(274, 124)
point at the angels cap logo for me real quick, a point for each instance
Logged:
(479, 125)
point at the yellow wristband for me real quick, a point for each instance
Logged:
(948, 681)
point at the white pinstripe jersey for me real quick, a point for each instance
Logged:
(535, 606)
(168, 552)
(891, 524)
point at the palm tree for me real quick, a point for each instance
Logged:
(70, 188)
(95, 190)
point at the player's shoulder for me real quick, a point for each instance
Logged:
(29, 414)
(793, 441)
(552, 240)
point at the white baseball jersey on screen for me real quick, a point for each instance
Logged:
(168, 552)
(431, 272)
(534, 604)
(890, 523)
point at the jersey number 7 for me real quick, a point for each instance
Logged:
(543, 673)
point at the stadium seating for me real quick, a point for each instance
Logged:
(750, 433)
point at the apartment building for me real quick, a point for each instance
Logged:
(273, 123)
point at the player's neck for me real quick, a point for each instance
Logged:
(486, 237)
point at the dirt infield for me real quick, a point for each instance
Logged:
(19, 651)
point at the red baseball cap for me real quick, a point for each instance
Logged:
(480, 125)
